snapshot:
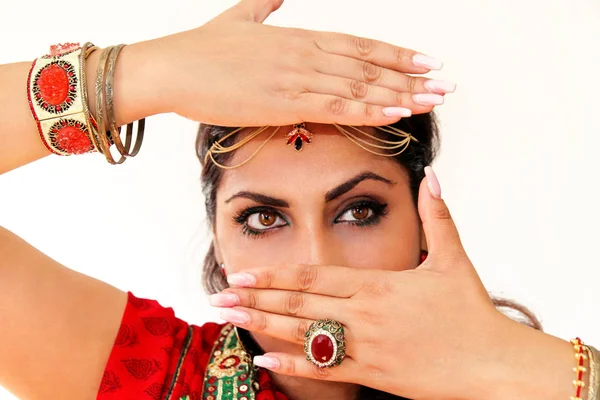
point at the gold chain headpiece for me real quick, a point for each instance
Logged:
(300, 135)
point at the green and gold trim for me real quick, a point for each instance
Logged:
(230, 372)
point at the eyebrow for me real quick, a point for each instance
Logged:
(329, 196)
(351, 184)
(260, 198)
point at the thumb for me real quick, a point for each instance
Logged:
(443, 240)
(254, 10)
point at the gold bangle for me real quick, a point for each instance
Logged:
(103, 134)
(86, 50)
(594, 374)
(124, 150)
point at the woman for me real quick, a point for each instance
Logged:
(145, 351)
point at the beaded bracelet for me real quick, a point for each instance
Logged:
(580, 369)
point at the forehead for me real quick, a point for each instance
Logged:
(330, 159)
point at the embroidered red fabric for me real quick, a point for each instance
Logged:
(148, 351)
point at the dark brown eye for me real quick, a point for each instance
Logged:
(267, 218)
(264, 220)
(359, 213)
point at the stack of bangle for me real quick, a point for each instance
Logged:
(58, 100)
(585, 353)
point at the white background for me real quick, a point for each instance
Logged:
(518, 165)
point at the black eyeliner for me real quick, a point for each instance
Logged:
(379, 211)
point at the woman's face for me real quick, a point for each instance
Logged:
(333, 203)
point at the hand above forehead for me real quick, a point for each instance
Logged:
(235, 71)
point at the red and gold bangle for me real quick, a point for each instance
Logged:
(54, 92)
(580, 369)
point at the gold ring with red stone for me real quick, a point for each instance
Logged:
(325, 344)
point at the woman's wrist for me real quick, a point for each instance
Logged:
(136, 83)
(526, 363)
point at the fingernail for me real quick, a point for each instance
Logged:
(397, 112)
(266, 362)
(428, 99)
(440, 86)
(421, 60)
(241, 279)
(224, 300)
(432, 183)
(235, 316)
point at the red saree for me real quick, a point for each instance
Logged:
(157, 356)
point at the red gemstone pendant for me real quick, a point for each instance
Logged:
(322, 348)
(298, 136)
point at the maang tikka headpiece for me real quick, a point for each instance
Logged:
(299, 136)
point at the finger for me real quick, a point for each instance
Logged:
(324, 280)
(442, 236)
(376, 52)
(373, 74)
(254, 10)
(329, 109)
(290, 329)
(297, 365)
(359, 91)
(283, 302)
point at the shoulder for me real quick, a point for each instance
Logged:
(155, 354)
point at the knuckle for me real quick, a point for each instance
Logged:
(294, 303)
(252, 299)
(289, 367)
(376, 288)
(400, 98)
(375, 372)
(371, 72)
(268, 279)
(260, 322)
(363, 314)
(358, 89)
(306, 278)
(401, 55)
(369, 111)
(411, 83)
(337, 106)
(299, 331)
(442, 212)
(364, 45)
(320, 373)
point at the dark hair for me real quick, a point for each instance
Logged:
(414, 159)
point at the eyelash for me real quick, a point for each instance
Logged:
(379, 211)
(242, 219)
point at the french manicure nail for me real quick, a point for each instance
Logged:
(235, 316)
(421, 60)
(241, 279)
(428, 99)
(397, 112)
(440, 86)
(266, 362)
(432, 183)
(224, 300)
